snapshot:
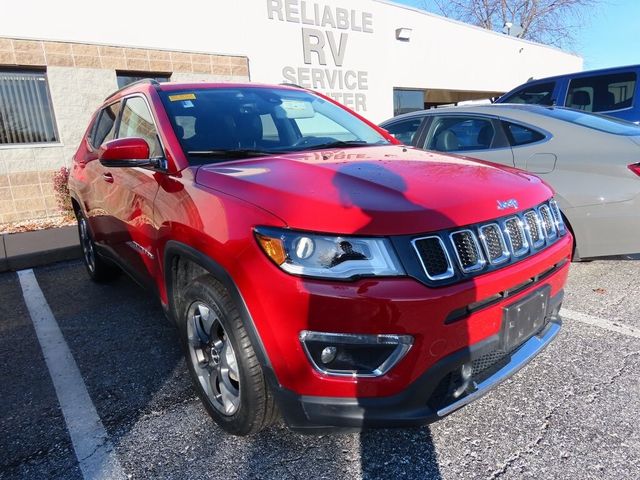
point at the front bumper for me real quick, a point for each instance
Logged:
(425, 400)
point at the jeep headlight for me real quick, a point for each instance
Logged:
(325, 256)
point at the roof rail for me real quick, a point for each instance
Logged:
(151, 81)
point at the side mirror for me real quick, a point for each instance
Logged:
(126, 152)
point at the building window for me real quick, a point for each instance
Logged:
(26, 113)
(125, 78)
(405, 101)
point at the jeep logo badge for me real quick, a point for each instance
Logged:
(504, 204)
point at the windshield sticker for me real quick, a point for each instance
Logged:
(182, 96)
(293, 109)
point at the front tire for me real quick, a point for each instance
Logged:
(223, 365)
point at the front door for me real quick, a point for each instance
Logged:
(131, 194)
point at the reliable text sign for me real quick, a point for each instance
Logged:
(325, 40)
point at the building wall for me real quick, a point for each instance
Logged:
(441, 53)
(80, 76)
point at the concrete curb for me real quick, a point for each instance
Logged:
(40, 247)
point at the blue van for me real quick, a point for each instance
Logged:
(610, 91)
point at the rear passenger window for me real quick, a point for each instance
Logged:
(520, 135)
(405, 131)
(540, 94)
(137, 121)
(105, 127)
(602, 93)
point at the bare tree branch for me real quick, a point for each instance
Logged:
(552, 22)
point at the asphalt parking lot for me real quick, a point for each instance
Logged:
(572, 413)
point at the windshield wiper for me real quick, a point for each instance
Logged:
(342, 144)
(231, 153)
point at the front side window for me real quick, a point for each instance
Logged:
(215, 124)
(105, 127)
(26, 112)
(456, 134)
(405, 131)
(137, 121)
(602, 93)
(539, 94)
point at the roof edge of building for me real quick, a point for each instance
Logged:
(474, 27)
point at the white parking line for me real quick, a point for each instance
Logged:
(93, 449)
(601, 323)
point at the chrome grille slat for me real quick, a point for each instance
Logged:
(468, 253)
(533, 226)
(548, 222)
(555, 210)
(514, 232)
(434, 257)
(494, 244)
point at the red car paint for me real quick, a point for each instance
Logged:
(376, 191)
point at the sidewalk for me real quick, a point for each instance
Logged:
(31, 249)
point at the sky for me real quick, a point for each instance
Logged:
(609, 37)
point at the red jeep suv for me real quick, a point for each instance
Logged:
(315, 268)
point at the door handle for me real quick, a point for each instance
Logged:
(107, 177)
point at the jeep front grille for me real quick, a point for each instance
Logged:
(478, 248)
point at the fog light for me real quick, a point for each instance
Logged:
(357, 355)
(328, 354)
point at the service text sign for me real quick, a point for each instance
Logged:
(325, 32)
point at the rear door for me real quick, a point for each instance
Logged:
(471, 135)
(530, 148)
(96, 184)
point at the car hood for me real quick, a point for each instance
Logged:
(375, 190)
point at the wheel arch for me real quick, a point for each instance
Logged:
(183, 263)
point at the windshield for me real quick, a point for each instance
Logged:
(225, 123)
(592, 120)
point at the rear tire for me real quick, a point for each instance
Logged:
(99, 269)
(222, 362)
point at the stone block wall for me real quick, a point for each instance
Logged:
(80, 76)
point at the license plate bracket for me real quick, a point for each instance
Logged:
(522, 319)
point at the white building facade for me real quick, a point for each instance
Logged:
(364, 53)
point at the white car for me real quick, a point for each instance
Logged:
(592, 161)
